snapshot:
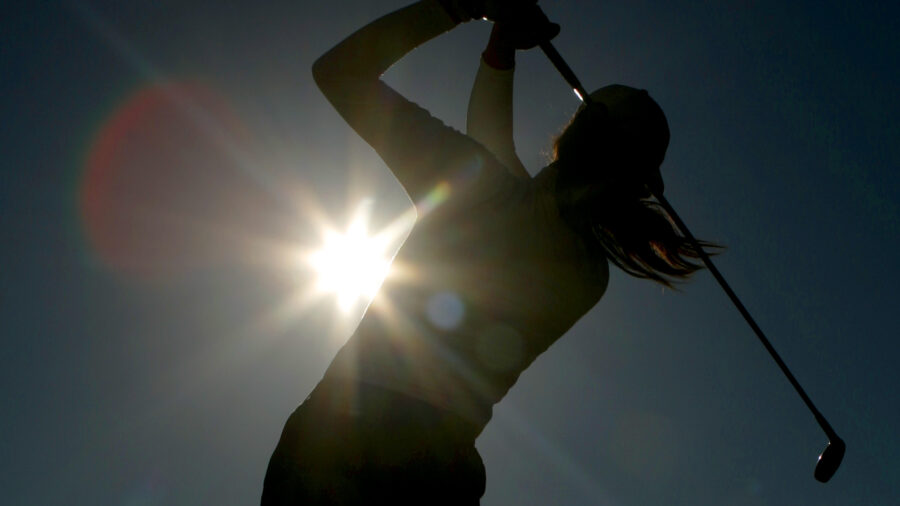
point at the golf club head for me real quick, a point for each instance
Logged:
(830, 460)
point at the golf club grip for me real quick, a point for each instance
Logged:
(563, 68)
(746, 314)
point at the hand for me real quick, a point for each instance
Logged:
(508, 10)
(524, 29)
(493, 10)
(463, 10)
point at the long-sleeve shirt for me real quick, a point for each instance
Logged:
(490, 276)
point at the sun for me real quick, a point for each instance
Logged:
(351, 264)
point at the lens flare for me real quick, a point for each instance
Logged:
(161, 176)
(351, 264)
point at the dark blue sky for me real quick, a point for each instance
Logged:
(154, 362)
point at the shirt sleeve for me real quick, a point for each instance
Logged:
(420, 150)
(490, 115)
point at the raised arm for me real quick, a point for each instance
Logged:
(420, 150)
(350, 67)
(405, 135)
(490, 115)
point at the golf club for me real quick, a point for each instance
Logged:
(831, 457)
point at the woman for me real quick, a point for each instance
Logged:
(498, 266)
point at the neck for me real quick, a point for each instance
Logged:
(563, 200)
(546, 178)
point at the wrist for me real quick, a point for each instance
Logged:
(499, 54)
(499, 58)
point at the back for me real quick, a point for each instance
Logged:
(488, 279)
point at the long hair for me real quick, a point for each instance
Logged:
(620, 141)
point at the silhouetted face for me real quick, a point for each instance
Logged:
(612, 155)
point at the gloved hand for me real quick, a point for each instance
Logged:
(524, 28)
(493, 10)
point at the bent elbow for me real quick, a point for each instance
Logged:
(334, 79)
(320, 71)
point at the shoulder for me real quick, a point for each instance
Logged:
(473, 178)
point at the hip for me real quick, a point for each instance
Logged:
(390, 448)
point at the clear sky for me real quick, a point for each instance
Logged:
(161, 159)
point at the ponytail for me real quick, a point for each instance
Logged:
(617, 145)
(640, 238)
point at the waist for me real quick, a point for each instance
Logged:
(412, 366)
(377, 405)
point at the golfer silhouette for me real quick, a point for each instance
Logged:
(499, 264)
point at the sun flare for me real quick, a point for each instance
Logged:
(352, 264)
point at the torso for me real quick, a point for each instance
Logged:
(487, 280)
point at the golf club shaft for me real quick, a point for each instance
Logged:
(746, 314)
(564, 69)
(573, 81)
